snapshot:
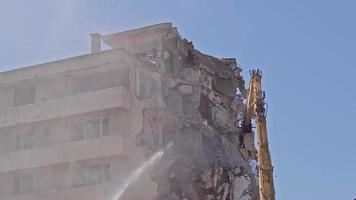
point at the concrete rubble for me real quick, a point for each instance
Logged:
(196, 102)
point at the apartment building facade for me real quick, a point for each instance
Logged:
(66, 127)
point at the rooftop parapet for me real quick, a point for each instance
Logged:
(141, 38)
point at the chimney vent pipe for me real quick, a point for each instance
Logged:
(95, 42)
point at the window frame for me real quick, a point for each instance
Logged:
(18, 92)
(19, 183)
(104, 130)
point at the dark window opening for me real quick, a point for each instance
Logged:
(24, 95)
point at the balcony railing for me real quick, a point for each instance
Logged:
(92, 192)
(70, 105)
(62, 153)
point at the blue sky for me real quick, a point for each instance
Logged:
(305, 48)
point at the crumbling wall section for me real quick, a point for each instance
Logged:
(199, 112)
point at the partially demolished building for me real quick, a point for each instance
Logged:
(74, 128)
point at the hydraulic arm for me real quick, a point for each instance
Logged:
(256, 109)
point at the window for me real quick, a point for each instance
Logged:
(23, 141)
(77, 131)
(91, 174)
(24, 95)
(96, 174)
(99, 80)
(91, 129)
(23, 184)
(105, 127)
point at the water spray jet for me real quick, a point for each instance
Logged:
(138, 172)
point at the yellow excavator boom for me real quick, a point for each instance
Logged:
(256, 109)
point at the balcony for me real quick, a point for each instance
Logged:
(92, 192)
(143, 190)
(70, 105)
(62, 153)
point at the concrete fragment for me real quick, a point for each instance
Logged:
(186, 89)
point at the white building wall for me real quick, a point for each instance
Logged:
(41, 146)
